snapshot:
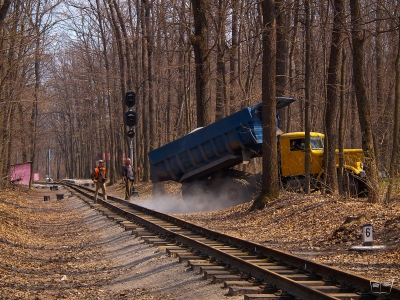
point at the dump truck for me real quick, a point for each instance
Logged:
(292, 163)
(206, 160)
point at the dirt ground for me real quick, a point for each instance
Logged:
(62, 249)
(318, 227)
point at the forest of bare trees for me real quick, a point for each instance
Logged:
(66, 66)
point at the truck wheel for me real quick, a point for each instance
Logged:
(294, 184)
(357, 187)
(352, 185)
(234, 191)
(195, 192)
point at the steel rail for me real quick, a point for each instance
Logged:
(143, 216)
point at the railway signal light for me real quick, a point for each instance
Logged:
(130, 99)
(130, 118)
(130, 134)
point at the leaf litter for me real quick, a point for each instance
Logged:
(44, 255)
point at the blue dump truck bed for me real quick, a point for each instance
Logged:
(218, 146)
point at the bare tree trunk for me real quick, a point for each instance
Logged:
(282, 55)
(270, 179)
(112, 169)
(8, 141)
(122, 73)
(233, 59)
(363, 102)
(146, 120)
(189, 118)
(139, 141)
(333, 96)
(342, 124)
(354, 120)
(307, 153)
(3, 12)
(34, 114)
(129, 86)
(221, 96)
(293, 38)
(396, 113)
(281, 48)
(199, 42)
(381, 156)
(151, 108)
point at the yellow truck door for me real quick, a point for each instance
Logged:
(292, 156)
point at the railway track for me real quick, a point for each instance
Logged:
(246, 268)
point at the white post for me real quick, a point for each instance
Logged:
(367, 234)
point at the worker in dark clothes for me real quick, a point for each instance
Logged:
(128, 173)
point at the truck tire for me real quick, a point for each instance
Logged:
(353, 186)
(293, 184)
(233, 191)
(357, 187)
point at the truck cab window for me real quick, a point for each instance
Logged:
(317, 143)
(297, 145)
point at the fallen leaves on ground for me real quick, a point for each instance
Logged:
(48, 252)
(318, 227)
(314, 226)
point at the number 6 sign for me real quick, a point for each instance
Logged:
(367, 234)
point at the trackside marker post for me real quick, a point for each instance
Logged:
(367, 240)
(368, 234)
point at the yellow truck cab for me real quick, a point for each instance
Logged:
(291, 148)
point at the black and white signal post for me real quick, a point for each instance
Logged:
(130, 119)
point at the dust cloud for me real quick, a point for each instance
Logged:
(173, 205)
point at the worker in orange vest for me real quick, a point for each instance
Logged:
(99, 178)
